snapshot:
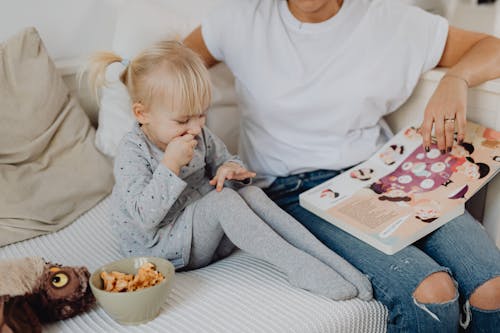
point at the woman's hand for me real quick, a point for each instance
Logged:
(446, 111)
(230, 170)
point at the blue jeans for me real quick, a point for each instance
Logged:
(461, 248)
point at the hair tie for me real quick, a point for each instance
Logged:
(125, 62)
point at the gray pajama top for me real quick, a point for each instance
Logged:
(150, 204)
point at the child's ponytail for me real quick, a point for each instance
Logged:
(183, 80)
(96, 70)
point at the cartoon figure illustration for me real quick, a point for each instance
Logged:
(492, 144)
(458, 155)
(463, 149)
(418, 168)
(459, 193)
(473, 170)
(425, 171)
(392, 154)
(491, 134)
(411, 133)
(395, 195)
(421, 171)
(427, 210)
(328, 193)
(362, 174)
(492, 139)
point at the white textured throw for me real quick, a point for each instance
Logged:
(237, 294)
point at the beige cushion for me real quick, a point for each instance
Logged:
(50, 171)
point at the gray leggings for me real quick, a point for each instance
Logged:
(250, 220)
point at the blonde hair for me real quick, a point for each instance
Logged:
(168, 70)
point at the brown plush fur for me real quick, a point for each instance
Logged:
(35, 292)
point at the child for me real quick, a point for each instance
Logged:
(164, 202)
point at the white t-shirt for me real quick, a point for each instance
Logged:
(312, 94)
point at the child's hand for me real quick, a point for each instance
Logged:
(179, 152)
(230, 170)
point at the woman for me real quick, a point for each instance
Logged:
(314, 78)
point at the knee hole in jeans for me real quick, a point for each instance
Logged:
(487, 295)
(436, 288)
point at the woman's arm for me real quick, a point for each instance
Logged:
(195, 42)
(472, 58)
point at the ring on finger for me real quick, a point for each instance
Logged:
(449, 119)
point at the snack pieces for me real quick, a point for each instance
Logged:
(147, 276)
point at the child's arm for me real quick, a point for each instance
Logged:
(146, 194)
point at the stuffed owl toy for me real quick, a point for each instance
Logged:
(33, 292)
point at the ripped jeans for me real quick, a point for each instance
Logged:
(461, 248)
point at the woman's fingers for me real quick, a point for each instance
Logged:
(426, 131)
(446, 112)
(439, 133)
(449, 131)
(461, 123)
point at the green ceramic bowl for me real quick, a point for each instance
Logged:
(133, 307)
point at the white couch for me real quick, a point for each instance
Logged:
(240, 293)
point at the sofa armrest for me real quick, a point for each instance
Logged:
(483, 107)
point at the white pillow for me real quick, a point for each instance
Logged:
(140, 24)
(115, 113)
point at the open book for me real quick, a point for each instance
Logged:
(403, 193)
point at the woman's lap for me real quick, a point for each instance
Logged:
(464, 246)
(391, 275)
(461, 248)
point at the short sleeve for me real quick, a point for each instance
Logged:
(438, 34)
(426, 33)
(214, 27)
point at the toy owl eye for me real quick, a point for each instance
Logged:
(59, 280)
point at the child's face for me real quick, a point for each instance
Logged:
(162, 125)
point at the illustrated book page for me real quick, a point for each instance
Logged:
(403, 192)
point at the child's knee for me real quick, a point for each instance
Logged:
(226, 192)
(251, 191)
(227, 196)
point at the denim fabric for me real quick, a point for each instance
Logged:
(461, 248)
(485, 321)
